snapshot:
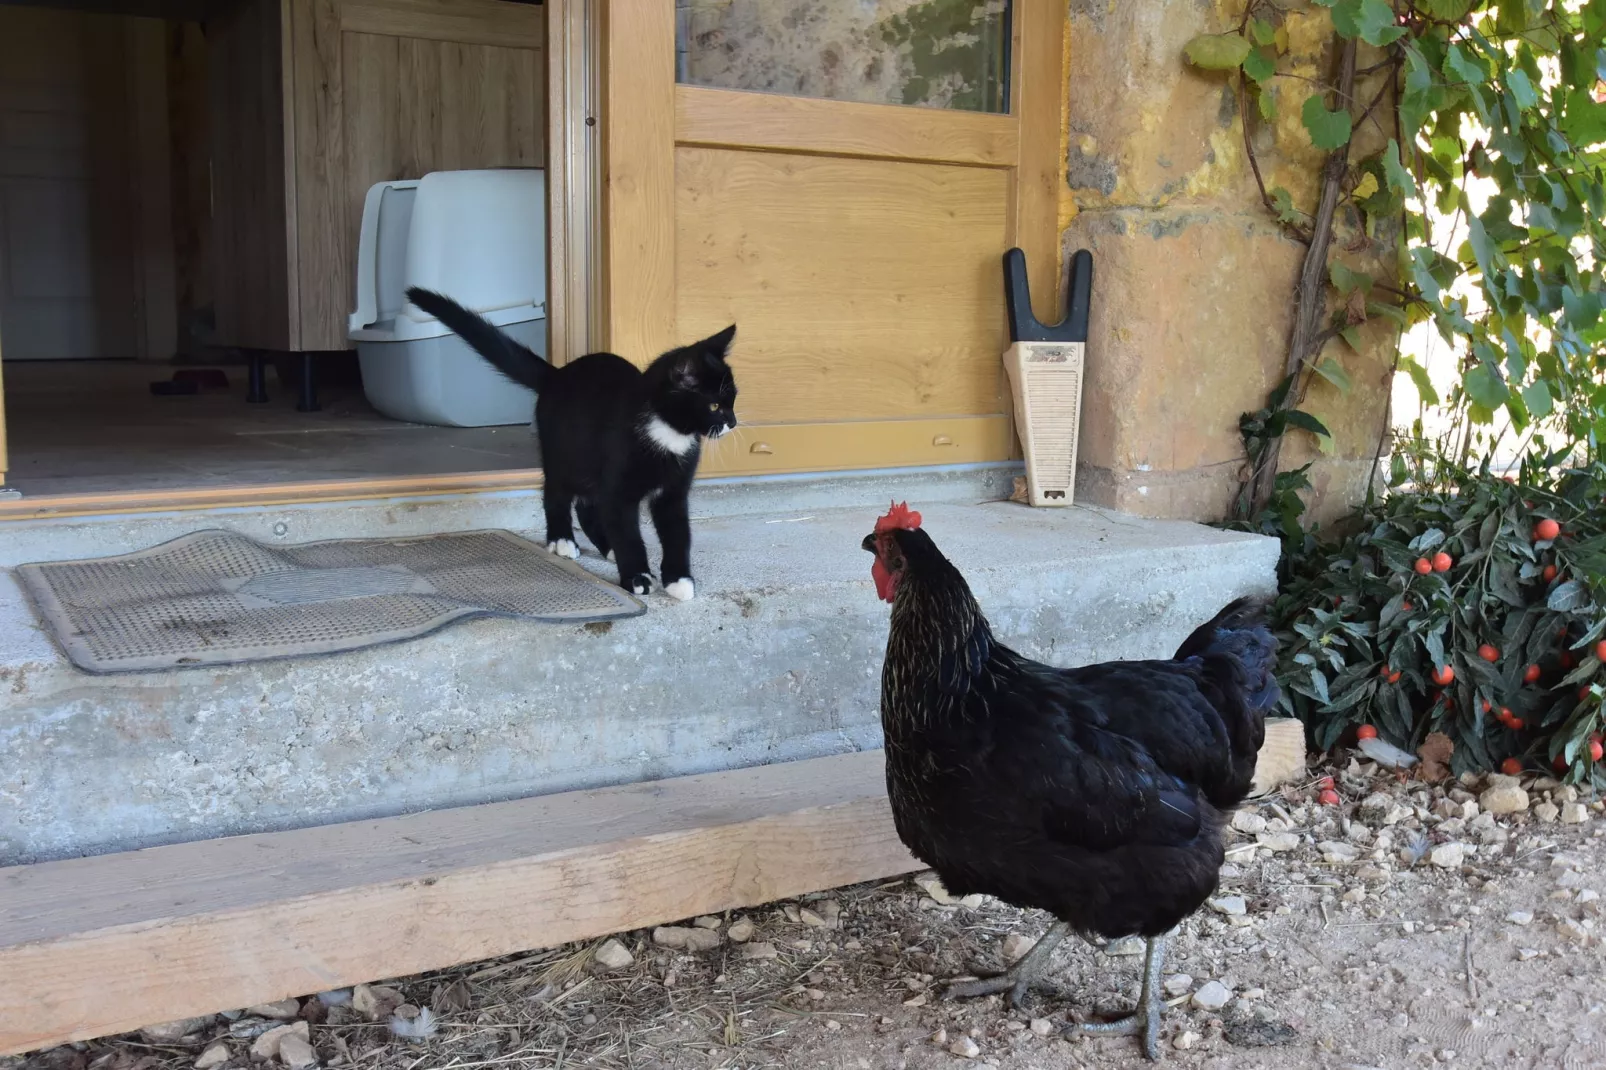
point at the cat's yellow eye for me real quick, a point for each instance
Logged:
(713, 406)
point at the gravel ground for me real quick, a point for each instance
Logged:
(1456, 925)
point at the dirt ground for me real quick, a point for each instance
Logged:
(1406, 927)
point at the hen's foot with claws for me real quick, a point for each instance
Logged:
(1145, 1021)
(1019, 978)
(1012, 982)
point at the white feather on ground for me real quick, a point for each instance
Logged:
(1386, 754)
(419, 1028)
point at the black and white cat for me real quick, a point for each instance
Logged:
(613, 435)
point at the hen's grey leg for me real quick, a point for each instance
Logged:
(1018, 978)
(1146, 1019)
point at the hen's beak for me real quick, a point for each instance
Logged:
(868, 543)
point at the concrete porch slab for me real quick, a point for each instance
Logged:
(777, 659)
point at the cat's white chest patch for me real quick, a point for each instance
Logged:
(667, 438)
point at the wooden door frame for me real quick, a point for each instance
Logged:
(644, 125)
(574, 179)
(650, 115)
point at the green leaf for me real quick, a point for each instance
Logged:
(1458, 64)
(1399, 179)
(1216, 51)
(1567, 596)
(1393, 312)
(1261, 64)
(1377, 23)
(1262, 31)
(1352, 338)
(1286, 212)
(1536, 396)
(1485, 386)
(1328, 129)
(1334, 373)
(1583, 309)
(1419, 376)
(1306, 422)
(1483, 248)
(1370, 20)
(1348, 281)
(1427, 540)
(1522, 90)
(1418, 97)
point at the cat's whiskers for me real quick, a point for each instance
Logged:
(739, 435)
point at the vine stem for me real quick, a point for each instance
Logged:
(1311, 304)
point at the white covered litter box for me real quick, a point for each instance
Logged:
(479, 237)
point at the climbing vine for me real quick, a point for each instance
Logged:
(1464, 607)
(1492, 124)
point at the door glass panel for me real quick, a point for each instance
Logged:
(929, 53)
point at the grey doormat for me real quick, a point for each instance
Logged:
(219, 598)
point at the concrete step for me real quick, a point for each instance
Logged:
(777, 659)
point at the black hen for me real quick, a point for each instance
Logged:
(1097, 794)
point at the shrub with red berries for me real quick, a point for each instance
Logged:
(1502, 648)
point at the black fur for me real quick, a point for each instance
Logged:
(593, 416)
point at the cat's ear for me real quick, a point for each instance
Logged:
(718, 345)
(685, 373)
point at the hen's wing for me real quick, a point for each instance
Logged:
(1202, 716)
(1080, 757)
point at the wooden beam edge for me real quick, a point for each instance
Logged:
(124, 977)
(754, 121)
(49, 506)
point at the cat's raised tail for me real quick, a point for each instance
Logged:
(517, 362)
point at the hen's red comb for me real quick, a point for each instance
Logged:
(899, 516)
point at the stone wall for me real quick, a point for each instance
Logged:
(1194, 280)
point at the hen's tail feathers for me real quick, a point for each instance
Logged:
(519, 363)
(1239, 655)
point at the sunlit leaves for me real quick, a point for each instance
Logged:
(1217, 51)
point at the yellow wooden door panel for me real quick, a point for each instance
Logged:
(857, 246)
(861, 289)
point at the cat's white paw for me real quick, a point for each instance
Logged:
(641, 585)
(608, 556)
(680, 590)
(564, 548)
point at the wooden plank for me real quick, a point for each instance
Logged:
(1039, 89)
(466, 22)
(639, 177)
(728, 118)
(573, 174)
(406, 107)
(100, 945)
(252, 251)
(345, 490)
(152, 181)
(861, 289)
(325, 234)
(829, 447)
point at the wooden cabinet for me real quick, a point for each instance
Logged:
(312, 102)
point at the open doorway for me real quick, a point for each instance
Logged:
(182, 185)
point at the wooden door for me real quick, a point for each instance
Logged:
(857, 246)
